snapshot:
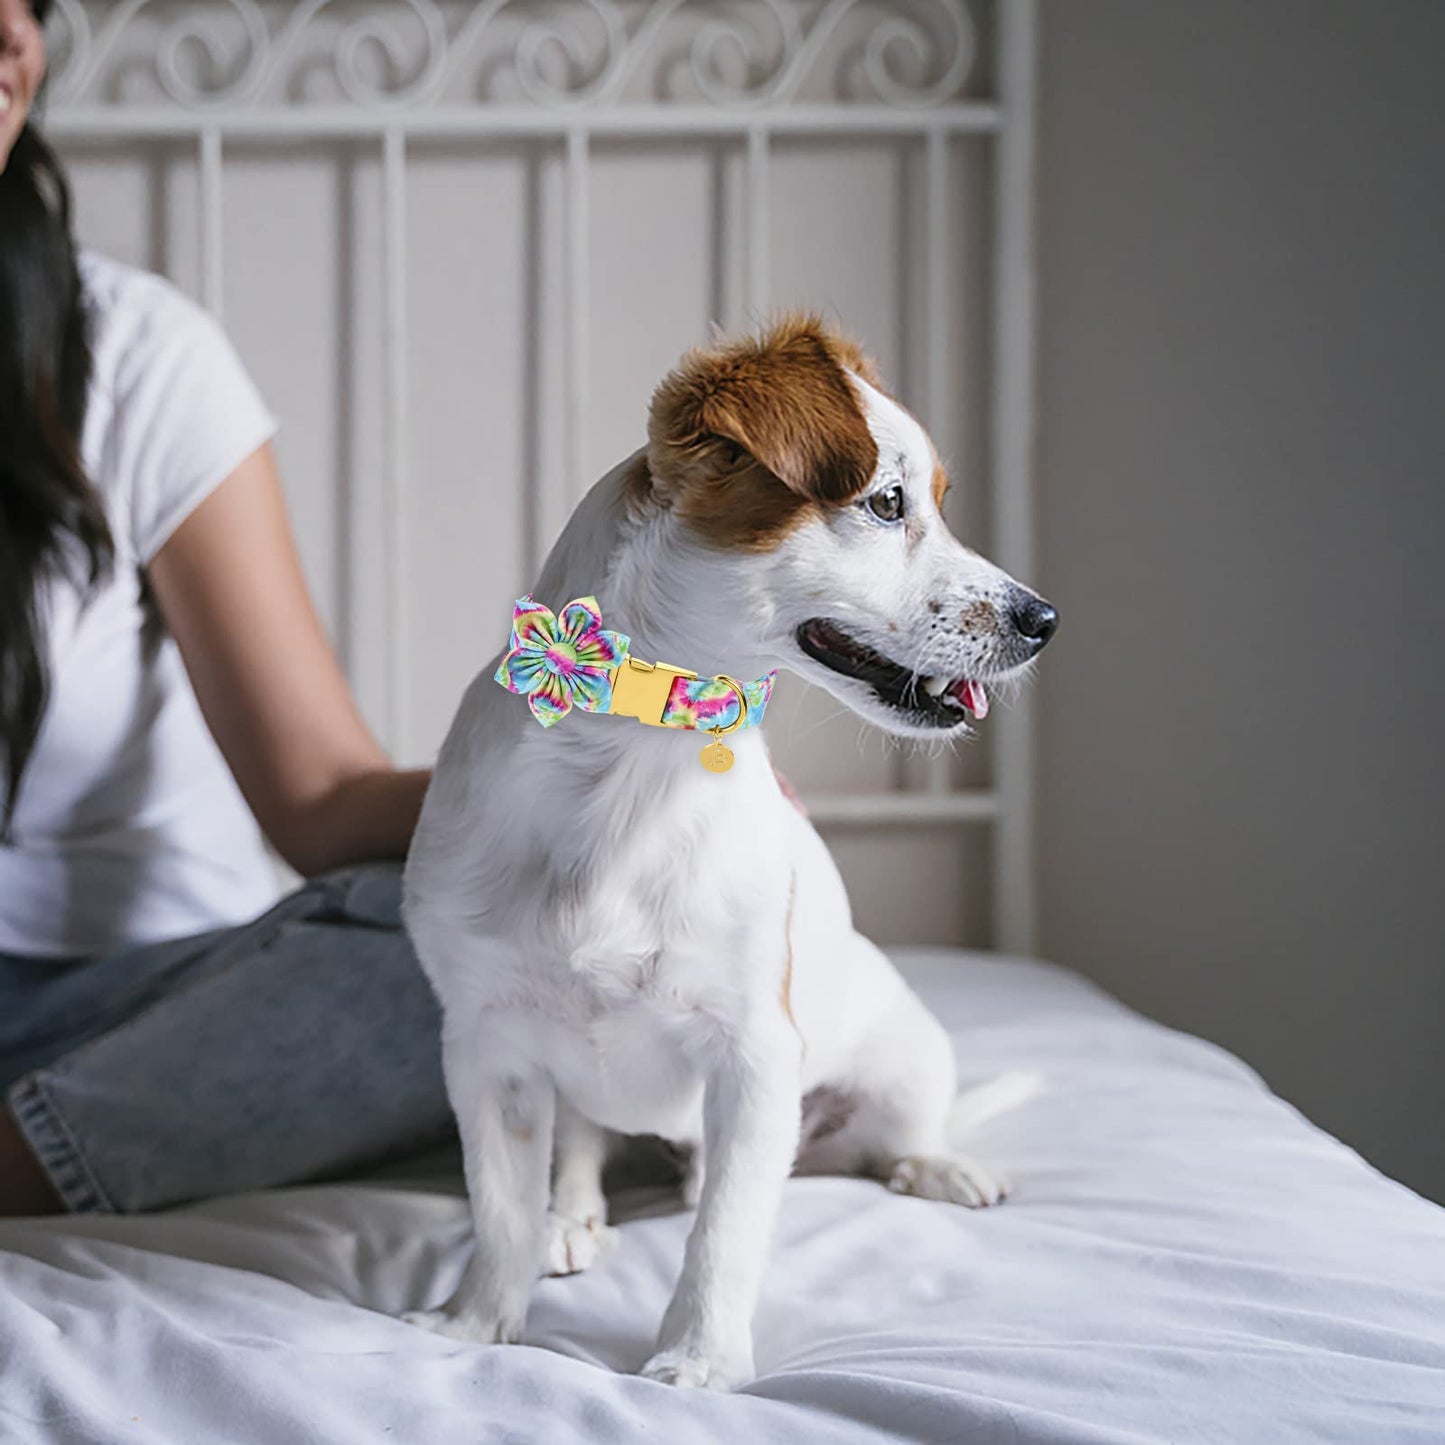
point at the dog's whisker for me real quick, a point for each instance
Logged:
(841, 710)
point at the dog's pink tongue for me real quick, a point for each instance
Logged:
(972, 696)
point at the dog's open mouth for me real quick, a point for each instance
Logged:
(938, 700)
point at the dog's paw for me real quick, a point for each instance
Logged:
(574, 1244)
(689, 1370)
(951, 1178)
(466, 1326)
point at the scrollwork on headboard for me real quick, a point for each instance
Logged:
(552, 54)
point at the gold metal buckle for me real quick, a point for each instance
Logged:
(641, 689)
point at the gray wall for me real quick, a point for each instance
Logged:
(1242, 500)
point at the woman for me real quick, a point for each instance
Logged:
(165, 688)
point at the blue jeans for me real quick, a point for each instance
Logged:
(303, 1045)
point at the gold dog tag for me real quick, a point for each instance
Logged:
(717, 757)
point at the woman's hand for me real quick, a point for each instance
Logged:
(230, 587)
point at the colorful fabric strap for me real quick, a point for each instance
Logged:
(708, 702)
(558, 663)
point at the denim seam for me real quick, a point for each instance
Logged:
(56, 1149)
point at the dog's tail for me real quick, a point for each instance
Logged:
(983, 1102)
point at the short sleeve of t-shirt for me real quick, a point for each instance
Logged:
(186, 413)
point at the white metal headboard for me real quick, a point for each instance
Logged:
(578, 70)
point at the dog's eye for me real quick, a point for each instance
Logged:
(886, 504)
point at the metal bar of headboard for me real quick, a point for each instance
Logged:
(1012, 452)
(394, 341)
(935, 317)
(578, 314)
(212, 216)
(99, 123)
(759, 223)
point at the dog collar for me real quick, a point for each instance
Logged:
(557, 663)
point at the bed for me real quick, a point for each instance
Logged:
(1185, 1258)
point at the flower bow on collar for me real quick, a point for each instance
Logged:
(555, 663)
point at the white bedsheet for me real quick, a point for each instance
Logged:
(1184, 1258)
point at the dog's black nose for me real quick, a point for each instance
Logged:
(1033, 617)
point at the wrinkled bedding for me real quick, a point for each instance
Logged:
(1184, 1258)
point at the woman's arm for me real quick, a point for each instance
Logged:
(230, 587)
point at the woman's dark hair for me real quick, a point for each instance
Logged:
(51, 519)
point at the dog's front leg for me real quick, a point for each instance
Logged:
(750, 1125)
(505, 1116)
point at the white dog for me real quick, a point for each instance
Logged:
(623, 940)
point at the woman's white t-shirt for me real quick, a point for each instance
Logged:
(128, 827)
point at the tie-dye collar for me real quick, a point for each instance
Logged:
(557, 663)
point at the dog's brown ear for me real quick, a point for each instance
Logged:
(782, 397)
